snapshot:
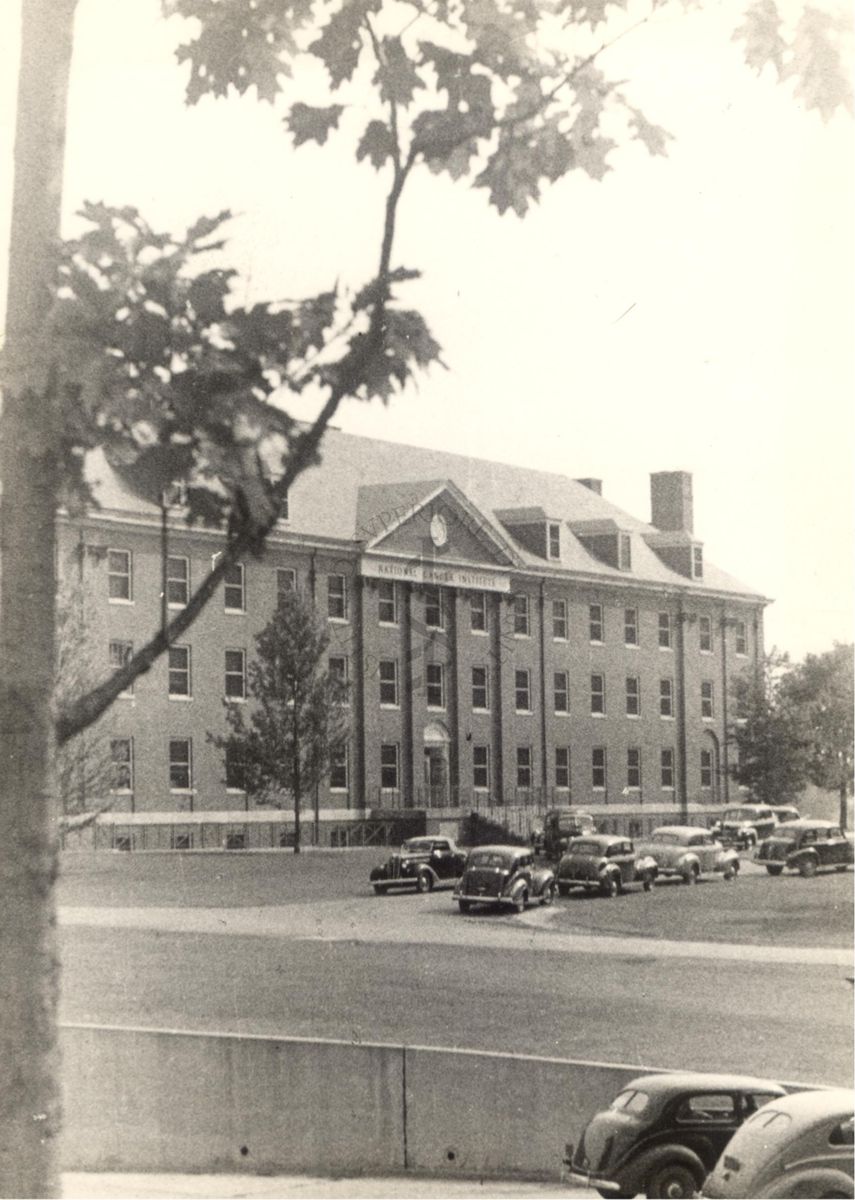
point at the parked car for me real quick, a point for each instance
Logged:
(603, 862)
(421, 863)
(505, 876)
(745, 826)
(785, 813)
(560, 825)
(800, 1145)
(663, 1133)
(689, 852)
(805, 846)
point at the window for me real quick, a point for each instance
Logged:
(480, 688)
(666, 769)
(182, 840)
(561, 692)
(595, 622)
(286, 581)
(554, 539)
(434, 608)
(524, 766)
(235, 770)
(179, 671)
(478, 612)
(630, 626)
(705, 634)
(122, 764)
(624, 552)
(338, 769)
(666, 697)
(387, 602)
(121, 654)
(119, 576)
(697, 562)
(522, 688)
(741, 638)
(389, 766)
(236, 674)
(633, 768)
(633, 696)
(562, 768)
(481, 768)
(598, 768)
(177, 580)
(559, 620)
(665, 630)
(180, 765)
(336, 598)
(337, 668)
(435, 678)
(598, 695)
(706, 768)
(711, 1107)
(234, 592)
(522, 622)
(389, 682)
(707, 702)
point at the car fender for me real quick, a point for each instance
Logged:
(817, 1181)
(378, 873)
(727, 859)
(540, 878)
(798, 856)
(647, 863)
(687, 862)
(426, 869)
(609, 869)
(635, 1172)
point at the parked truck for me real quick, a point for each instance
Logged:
(559, 826)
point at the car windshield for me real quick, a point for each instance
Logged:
(630, 1101)
(741, 814)
(418, 846)
(481, 858)
(662, 838)
(583, 847)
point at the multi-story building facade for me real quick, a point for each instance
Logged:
(511, 639)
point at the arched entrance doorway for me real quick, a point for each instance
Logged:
(710, 768)
(436, 773)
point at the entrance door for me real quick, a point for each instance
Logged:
(436, 776)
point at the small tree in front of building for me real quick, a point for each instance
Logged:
(297, 723)
(772, 759)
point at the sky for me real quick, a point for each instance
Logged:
(694, 312)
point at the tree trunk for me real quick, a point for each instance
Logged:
(844, 803)
(29, 467)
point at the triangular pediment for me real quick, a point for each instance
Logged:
(433, 519)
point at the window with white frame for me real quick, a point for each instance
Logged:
(337, 597)
(598, 768)
(707, 700)
(481, 768)
(121, 654)
(179, 671)
(235, 769)
(561, 692)
(633, 769)
(234, 589)
(705, 634)
(624, 552)
(630, 626)
(522, 619)
(698, 562)
(388, 674)
(595, 622)
(706, 768)
(562, 768)
(235, 674)
(122, 764)
(666, 697)
(559, 620)
(434, 608)
(633, 696)
(339, 768)
(286, 582)
(664, 631)
(387, 602)
(177, 580)
(180, 765)
(435, 685)
(120, 575)
(389, 766)
(598, 695)
(481, 689)
(478, 612)
(740, 638)
(524, 775)
(554, 539)
(522, 690)
(666, 769)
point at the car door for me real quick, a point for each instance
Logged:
(708, 1121)
(623, 854)
(441, 859)
(837, 849)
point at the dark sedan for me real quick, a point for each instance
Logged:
(505, 876)
(805, 846)
(422, 863)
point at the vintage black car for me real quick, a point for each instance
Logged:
(504, 876)
(606, 863)
(663, 1134)
(745, 825)
(421, 863)
(560, 825)
(805, 846)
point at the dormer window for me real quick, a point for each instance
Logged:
(554, 539)
(697, 562)
(624, 552)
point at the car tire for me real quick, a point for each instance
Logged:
(731, 873)
(807, 868)
(690, 876)
(774, 870)
(610, 887)
(563, 889)
(380, 889)
(647, 881)
(520, 901)
(548, 894)
(671, 1180)
(424, 882)
(465, 906)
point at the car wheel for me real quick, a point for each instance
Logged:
(465, 905)
(774, 870)
(610, 887)
(673, 1181)
(647, 880)
(690, 876)
(807, 868)
(563, 889)
(424, 883)
(379, 889)
(548, 894)
(731, 872)
(520, 901)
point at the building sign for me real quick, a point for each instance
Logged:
(419, 570)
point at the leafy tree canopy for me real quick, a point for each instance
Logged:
(821, 690)
(771, 755)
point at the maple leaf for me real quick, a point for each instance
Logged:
(761, 33)
(339, 45)
(377, 144)
(655, 138)
(396, 75)
(815, 64)
(309, 124)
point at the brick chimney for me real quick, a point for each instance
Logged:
(671, 500)
(593, 485)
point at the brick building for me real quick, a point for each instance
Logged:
(512, 641)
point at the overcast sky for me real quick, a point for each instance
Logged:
(693, 312)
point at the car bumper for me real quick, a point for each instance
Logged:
(572, 1175)
(483, 898)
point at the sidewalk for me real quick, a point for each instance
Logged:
(108, 1186)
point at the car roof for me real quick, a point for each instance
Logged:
(819, 1104)
(601, 839)
(811, 823)
(498, 848)
(747, 804)
(685, 830)
(687, 1081)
